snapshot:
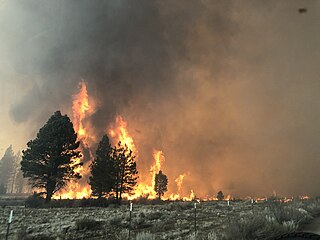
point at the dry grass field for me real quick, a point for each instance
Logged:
(174, 220)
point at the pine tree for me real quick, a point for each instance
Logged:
(125, 170)
(50, 159)
(6, 170)
(18, 180)
(160, 184)
(220, 196)
(102, 170)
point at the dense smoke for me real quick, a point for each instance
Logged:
(227, 89)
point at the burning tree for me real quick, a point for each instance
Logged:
(125, 170)
(102, 170)
(161, 183)
(50, 159)
(6, 169)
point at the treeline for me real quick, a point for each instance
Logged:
(11, 176)
(51, 160)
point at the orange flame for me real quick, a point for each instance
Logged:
(143, 187)
(159, 158)
(119, 132)
(81, 110)
(190, 197)
(179, 182)
(304, 197)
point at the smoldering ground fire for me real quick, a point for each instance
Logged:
(227, 90)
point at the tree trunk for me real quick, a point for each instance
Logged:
(50, 188)
(117, 194)
(48, 197)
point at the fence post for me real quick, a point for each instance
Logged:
(252, 203)
(228, 207)
(195, 220)
(9, 222)
(130, 220)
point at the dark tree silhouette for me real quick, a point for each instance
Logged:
(102, 170)
(18, 180)
(160, 184)
(220, 196)
(6, 170)
(50, 159)
(125, 170)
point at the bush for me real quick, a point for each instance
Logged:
(212, 236)
(154, 215)
(62, 203)
(145, 236)
(35, 201)
(124, 234)
(22, 235)
(116, 221)
(88, 224)
(140, 222)
(276, 219)
(284, 213)
(257, 227)
(180, 206)
(89, 202)
(313, 208)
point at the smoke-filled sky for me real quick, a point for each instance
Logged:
(229, 90)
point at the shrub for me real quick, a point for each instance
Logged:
(145, 236)
(313, 208)
(22, 235)
(88, 224)
(115, 221)
(35, 201)
(154, 215)
(140, 222)
(122, 235)
(256, 227)
(180, 206)
(212, 236)
(289, 213)
(89, 202)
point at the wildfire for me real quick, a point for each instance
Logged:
(179, 182)
(304, 197)
(81, 109)
(190, 197)
(159, 158)
(120, 133)
(261, 199)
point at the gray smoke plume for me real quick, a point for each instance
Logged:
(227, 89)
